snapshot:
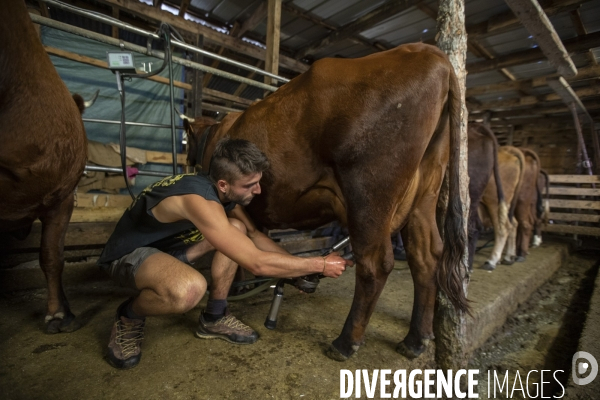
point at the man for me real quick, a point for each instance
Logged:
(175, 221)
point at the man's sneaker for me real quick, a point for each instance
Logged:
(228, 328)
(124, 347)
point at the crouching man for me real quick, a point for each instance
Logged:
(175, 221)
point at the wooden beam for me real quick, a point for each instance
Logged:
(183, 7)
(273, 35)
(508, 20)
(531, 100)
(581, 30)
(235, 44)
(576, 45)
(254, 20)
(592, 105)
(538, 24)
(569, 96)
(363, 23)
(115, 29)
(592, 71)
(238, 31)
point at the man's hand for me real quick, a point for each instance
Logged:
(334, 265)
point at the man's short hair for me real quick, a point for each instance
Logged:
(234, 158)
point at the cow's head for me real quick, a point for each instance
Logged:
(194, 127)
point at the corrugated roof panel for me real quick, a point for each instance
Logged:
(388, 25)
(313, 33)
(229, 9)
(481, 10)
(532, 70)
(354, 12)
(296, 26)
(334, 49)
(308, 4)
(486, 98)
(204, 5)
(332, 7)
(485, 78)
(590, 16)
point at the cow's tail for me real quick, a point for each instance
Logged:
(513, 203)
(502, 205)
(450, 273)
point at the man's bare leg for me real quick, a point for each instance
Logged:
(215, 322)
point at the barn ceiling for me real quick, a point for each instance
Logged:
(507, 72)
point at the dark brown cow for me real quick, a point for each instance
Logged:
(511, 163)
(483, 161)
(43, 150)
(365, 142)
(525, 211)
(542, 208)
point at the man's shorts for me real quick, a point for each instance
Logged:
(123, 270)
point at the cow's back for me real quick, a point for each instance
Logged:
(44, 146)
(344, 114)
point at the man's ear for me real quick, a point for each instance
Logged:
(222, 185)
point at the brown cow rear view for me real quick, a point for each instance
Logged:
(43, 150)
(366, 142)
(525, 210)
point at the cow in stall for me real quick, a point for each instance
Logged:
(483, 161)
(511, 164)
(43, 151)
(542, 207)
(366, 142)
(526, 208)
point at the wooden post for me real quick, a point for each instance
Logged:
(450, 325)
(582, 152)
(596, 144)
(511, 132)
(273, 34)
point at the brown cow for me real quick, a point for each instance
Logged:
(43, 152)
(366, 142)
(483, 160)
(525, 211)
(542, 208)
(511, 163)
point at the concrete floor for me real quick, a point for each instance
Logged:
(285, 363)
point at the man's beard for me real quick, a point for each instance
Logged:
(241, 200)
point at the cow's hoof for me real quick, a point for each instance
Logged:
(411, 352)
(507, 262)
(520, 259)
(339, 355)
(61, 323)
(488, 266)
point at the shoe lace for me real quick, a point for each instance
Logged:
(232, 322)
(129, 336)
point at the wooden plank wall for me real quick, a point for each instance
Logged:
(574, 204)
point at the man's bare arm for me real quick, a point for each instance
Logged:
(260, 240)
(209, 217)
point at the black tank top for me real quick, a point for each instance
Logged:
(138, 227)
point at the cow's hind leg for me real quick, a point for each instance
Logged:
(54, 228)
(374, 258)
(423, 249)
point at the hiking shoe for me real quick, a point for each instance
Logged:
(228, 328)
(124, 347)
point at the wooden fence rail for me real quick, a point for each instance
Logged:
(574, 204)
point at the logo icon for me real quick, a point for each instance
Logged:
(580, 367)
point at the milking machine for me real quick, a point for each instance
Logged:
(308, 284)
(122, 65)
